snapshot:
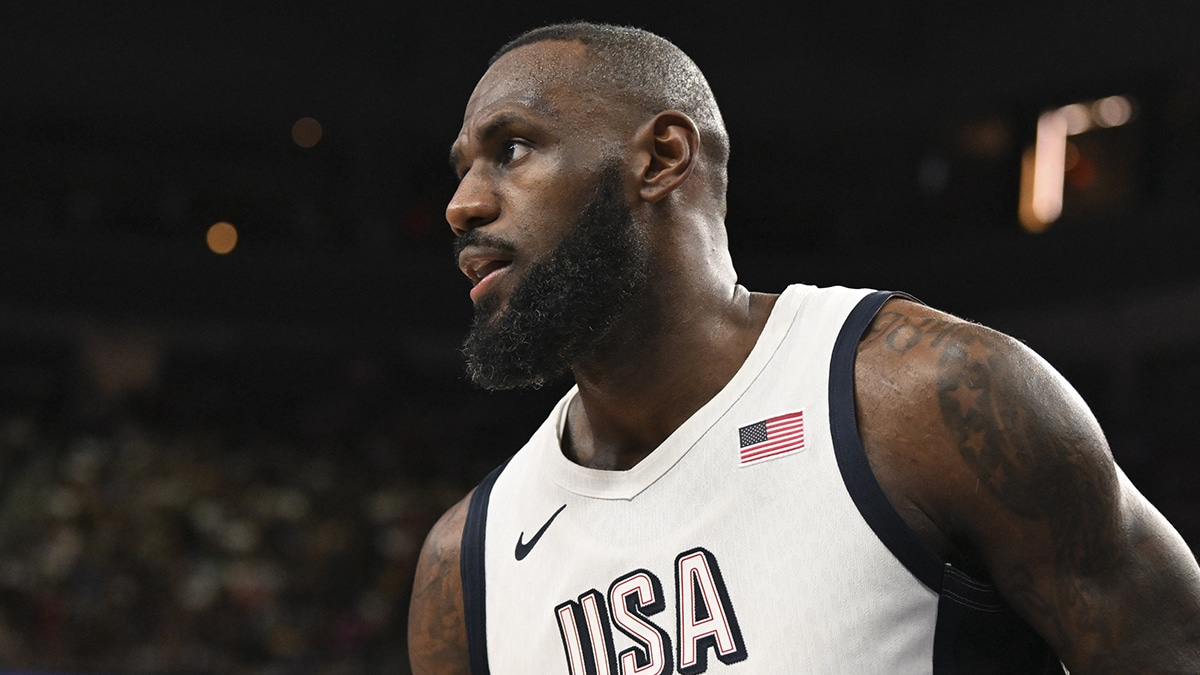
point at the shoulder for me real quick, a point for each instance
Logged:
(437, 638)
(970, 401)
(963, 378)
(964, 425)
(990, 456)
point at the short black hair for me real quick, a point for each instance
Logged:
(649, 71)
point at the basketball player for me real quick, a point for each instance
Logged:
(823, 481)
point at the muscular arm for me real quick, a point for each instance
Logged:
(437, 633)
(991, 456)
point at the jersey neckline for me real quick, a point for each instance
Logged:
(627, 484)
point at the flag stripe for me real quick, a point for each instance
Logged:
(769, 455)
(750, 453)
(776, 440)
(773, 432)
(772, 451)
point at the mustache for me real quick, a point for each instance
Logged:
(484, 239)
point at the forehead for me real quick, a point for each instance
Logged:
(543, 76)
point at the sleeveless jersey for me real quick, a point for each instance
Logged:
(755, 539)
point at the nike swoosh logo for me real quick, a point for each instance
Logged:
(523, 549)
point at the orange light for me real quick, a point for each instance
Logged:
(222, 238)
(306, 132)
(1029, 220)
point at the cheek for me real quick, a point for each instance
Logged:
(540, 225)
(546, 201)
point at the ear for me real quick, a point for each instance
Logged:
(671, 144)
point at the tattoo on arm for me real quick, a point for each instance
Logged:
(1023, 461)
(437, 639)
(1027, 464)
(1041, 466)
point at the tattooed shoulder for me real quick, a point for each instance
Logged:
(1023, 431)
(1005, 456)
(437, 639)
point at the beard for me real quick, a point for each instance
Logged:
(567, 303)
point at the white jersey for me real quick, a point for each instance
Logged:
(753, 540)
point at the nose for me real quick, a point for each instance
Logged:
(473, 205)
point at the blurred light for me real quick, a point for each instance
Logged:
(1078, 118)
(306, 132)
(1049, 166)
(1029, 222)
(1053, 162)
(1112, 111)
(222, 238)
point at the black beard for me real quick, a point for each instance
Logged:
(567, 303)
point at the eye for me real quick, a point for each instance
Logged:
(513, 150)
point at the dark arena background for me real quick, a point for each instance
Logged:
(231, 401)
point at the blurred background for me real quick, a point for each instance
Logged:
(231, 402)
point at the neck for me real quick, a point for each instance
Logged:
(656, 369)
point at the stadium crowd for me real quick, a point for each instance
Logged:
(217, 524)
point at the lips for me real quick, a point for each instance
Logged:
(484, 266)
(485, 284)
(486, 269)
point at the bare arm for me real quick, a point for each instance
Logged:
(990, 455)
(437, 633)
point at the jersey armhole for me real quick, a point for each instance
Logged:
(471, 568)
(852, 461)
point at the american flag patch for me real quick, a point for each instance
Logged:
(771, 438)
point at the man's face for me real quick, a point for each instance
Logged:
(566, 303)
(545, 229)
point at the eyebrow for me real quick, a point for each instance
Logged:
(503, 119)
(486, 133)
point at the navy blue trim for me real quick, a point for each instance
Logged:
(977, 634)
(856, 471)
(470, 563)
